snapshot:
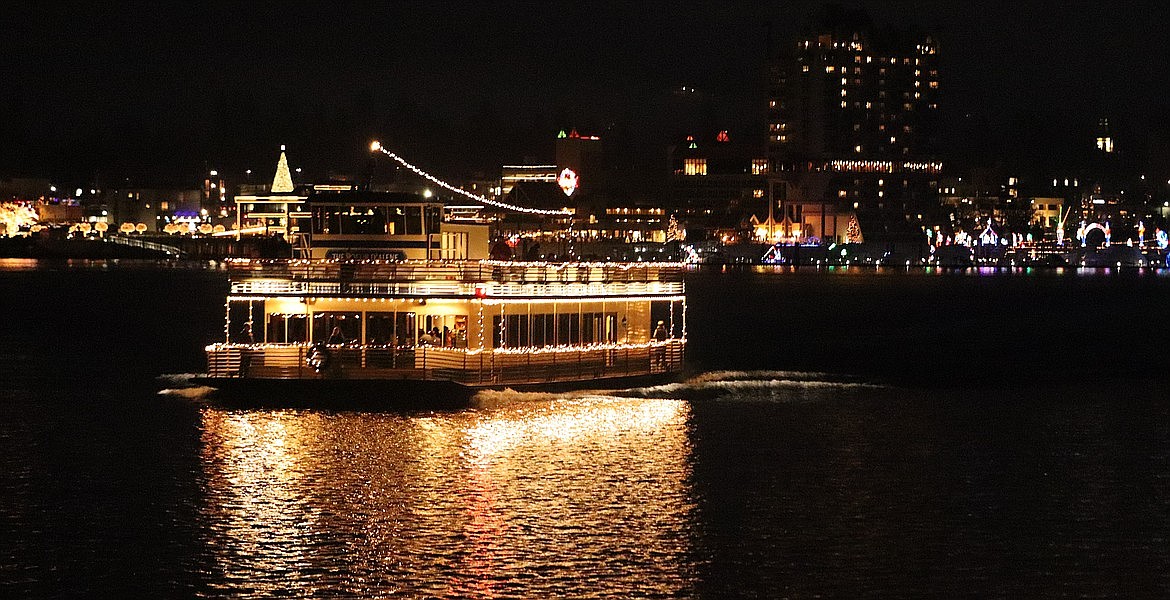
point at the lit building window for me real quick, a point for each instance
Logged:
(1105, 144)
(804, 69)
(695, 166)
(857, 148)
(757, 193)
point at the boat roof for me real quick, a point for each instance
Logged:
(368, 197)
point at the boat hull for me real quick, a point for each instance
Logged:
(389, 394)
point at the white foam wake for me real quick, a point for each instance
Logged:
(180, 385)
(509, 396)
(741, 385)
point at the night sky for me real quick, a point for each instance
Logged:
(159, 93)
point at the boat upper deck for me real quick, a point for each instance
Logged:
(478, 279)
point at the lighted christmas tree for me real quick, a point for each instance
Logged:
(674, 233)
(282, 183)
(853, 231)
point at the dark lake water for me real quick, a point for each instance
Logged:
(847, 433)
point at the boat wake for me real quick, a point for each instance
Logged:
(179, 385)
(758, 386)
(752, 385)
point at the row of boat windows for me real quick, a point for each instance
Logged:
(381, 329)
(376, 220)
(405, 329)
(519, 331)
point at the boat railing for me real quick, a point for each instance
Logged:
(468, 367)
(504, 272)
(287, 287)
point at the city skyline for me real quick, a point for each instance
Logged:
(162, 94)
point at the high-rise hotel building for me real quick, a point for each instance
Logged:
(856, 112)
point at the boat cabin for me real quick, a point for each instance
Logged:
(388, 226)
(471, 322)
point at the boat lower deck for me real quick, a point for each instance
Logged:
(535, 366)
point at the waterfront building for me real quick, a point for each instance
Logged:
(716, 182)
(727, 191)
(278, 210)
(510, 175)
(153, 207)
(859, 105)
(582, 155)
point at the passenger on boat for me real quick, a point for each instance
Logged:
(428, 339)
(660, 335)
(337, 337)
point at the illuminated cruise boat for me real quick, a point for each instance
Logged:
(390, 298)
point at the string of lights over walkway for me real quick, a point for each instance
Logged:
(378, 147)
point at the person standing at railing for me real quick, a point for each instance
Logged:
(660, 335)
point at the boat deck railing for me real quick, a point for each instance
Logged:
(318, 288)
(453, 271)
(473, 368)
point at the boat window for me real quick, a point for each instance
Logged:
(597, 328)
(337, 328)
(568, 329)
(363, 220)
(245, 320)
(413, 220)
(671, 314)
(287, 329)
(326, 221)
(434, 216)
(380, 328)
(542, 330)
(404, 329)
(396, 216)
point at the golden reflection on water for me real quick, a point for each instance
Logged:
(583, 497)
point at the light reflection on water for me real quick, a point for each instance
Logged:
(580, 497)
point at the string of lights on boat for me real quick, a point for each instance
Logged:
(378, 147)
